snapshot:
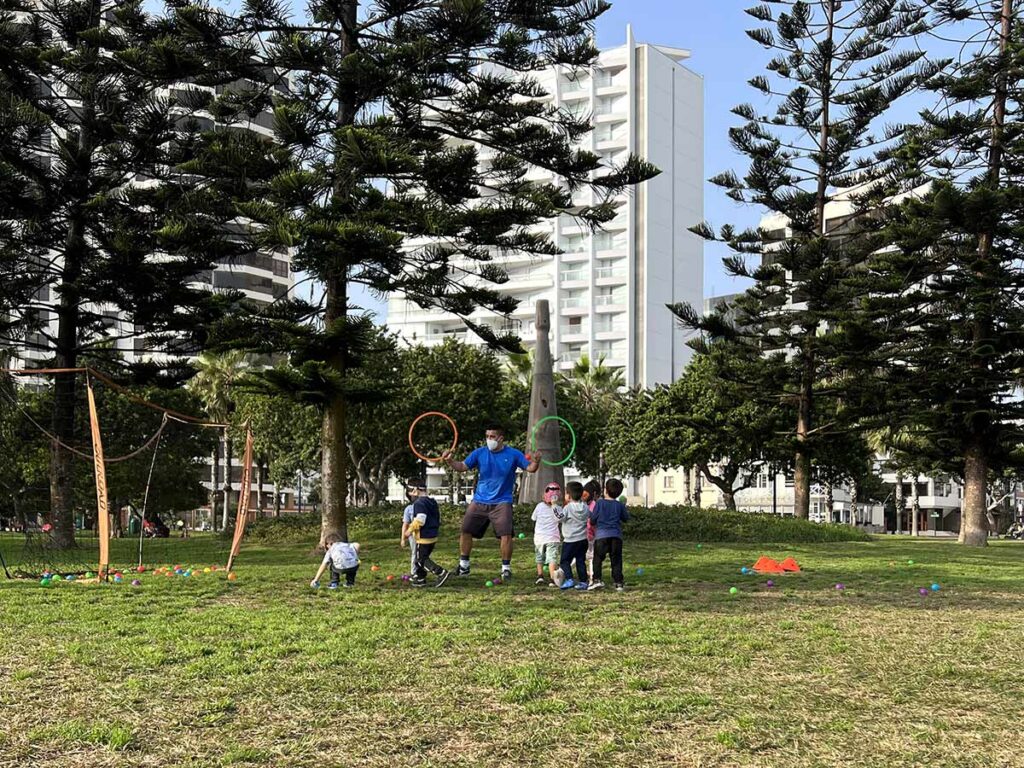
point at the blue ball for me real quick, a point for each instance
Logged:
(744, 570)
(936, 587)
(69, 577)
(639, 571)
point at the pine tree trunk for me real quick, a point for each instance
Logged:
(973, 520)
(830, 503)
(214, 492)
(334, 469)
(687, 488)
(854, 494)
(228, 451)
(900, 502)
(915, 508)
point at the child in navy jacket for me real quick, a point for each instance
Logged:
(607, 516)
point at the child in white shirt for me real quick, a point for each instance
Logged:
(343, 559)
(546, 536)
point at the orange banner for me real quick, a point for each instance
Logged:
(102, 505)
(242, 515)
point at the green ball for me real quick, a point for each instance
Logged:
(522, 535)
(45, 582)
(489, 584)
(700, 546)
(910, 562)
(733, 591)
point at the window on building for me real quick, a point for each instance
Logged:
(668, 482)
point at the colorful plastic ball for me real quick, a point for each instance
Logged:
(769, 583)
(405, 577)
(88, 574)
(142, 569)
(489, 584)
(744, 570)
(374, 568)
(700, 546)
(206, 570)
(498, 582)
(136, 583)
(936, 587)
(733, 590)
(45, 581)
(522, 535)
(232, 576)
(639, 571)
(390, 577)
(922, 591)
(910, 562)
(47, 528)
(840, 587)
(69, 577)
(118, 579)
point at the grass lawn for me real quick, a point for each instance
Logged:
(676, 671)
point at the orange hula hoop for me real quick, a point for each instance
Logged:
(417, 420)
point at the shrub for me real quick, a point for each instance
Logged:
(661, 523)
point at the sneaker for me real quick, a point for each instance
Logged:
(418, 582)
(540, 582)
(568, 584)
(596, 585)
(460, 571)
(583, 586)
(333, 585)
(506, 575)
(620, 587)
(442, 578)
(559, 577)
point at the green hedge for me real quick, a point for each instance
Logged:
(662, 523)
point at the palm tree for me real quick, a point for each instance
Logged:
(595, 382)
(900, 447)
(216, 375)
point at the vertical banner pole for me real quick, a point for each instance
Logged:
(100, 469)
(242, 515)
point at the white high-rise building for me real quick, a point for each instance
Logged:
(608, 291)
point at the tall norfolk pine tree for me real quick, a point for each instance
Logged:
(946, 306)
(113, 200)
(395, 102)
(837, 68)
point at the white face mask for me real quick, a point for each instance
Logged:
(492, 444)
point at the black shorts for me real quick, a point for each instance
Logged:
(479, 516)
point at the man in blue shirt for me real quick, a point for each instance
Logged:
(492, 498)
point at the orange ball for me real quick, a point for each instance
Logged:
(374, 567)
(232, 576)
(390, 577)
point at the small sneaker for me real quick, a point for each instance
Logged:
(568, 584)
(333, 585)
(540, 582)
(460, 571)
(506, 575)
(596, 585)
(620, 587)
(442, 578)
(582, 586)
(559, 577)
(418, 582)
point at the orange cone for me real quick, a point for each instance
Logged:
(789, 564)
(767, 565)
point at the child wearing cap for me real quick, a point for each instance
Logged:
(546, 536)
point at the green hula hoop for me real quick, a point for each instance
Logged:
(572, 433)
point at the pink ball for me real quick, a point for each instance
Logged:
(840, 587)
(136, 583)
(922, 591)
(770, 583)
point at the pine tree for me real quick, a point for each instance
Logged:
(946, 311)
(836, 70)
(115, 195)
(412, 128)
